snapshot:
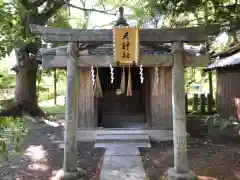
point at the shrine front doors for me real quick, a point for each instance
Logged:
(119, 110)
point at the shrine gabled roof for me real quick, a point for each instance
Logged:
(227, 58)
(103, 55)
(107, 49)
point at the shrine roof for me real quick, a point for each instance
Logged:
(107, 49)
(227, 58)
(57, 57)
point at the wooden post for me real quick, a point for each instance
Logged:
(209, 103)
(195, 102)
(202, 103)
(180, 170)
(186, 104)
(69, 163)
(55, 86)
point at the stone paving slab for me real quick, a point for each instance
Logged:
(122, 140)
(121, 144)
(122, 151)
(122, 168)
(123, 136)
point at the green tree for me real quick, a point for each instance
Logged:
(17, 16)
(185, 13)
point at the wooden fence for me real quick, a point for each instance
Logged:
(202, 103)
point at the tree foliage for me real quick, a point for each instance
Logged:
(6, 80)
(10, 28)
(184, 13)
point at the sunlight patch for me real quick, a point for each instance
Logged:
(206, 178)
(50, 123)
(57, 174)
(36, 153)
(38, 167)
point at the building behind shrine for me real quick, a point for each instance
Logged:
(228, 82)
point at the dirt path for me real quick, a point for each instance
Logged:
(43, 156)
(209, 161)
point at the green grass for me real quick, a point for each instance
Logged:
(45, 96)
(59, 109)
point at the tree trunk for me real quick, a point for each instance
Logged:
(26, 91)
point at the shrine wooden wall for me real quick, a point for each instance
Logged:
(159, 108)
(87, 111)
(228, 93)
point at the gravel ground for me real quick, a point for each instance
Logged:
(43, 156)
(209, 161)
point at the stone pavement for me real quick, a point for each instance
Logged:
(122, 160)
(122, 164)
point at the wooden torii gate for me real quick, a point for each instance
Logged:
(176, 36)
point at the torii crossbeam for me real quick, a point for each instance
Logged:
(165, 35)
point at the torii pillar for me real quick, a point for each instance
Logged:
(70, 171)
(180, 170)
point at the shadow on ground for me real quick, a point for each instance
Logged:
(43, 155)
(210, 161)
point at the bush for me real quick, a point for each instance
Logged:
(11, 132)
(223, 127)
(222, 122)
(6, 80)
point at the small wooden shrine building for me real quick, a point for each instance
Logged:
(228, 82)
(146, 99)
(150, 102)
